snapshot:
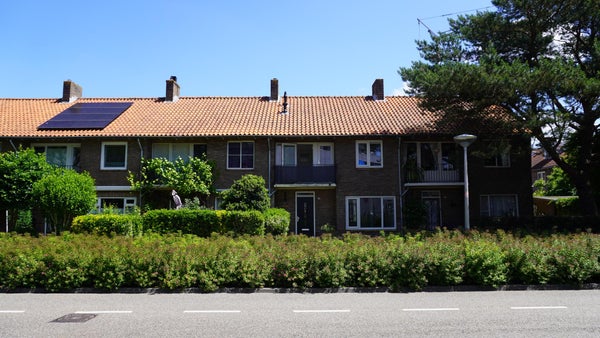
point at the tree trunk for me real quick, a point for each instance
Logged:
(587, 202)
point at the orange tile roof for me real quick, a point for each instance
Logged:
(230, 116)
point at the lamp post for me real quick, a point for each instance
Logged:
(465, 140)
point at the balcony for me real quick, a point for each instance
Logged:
(418, 176)
(309, 175)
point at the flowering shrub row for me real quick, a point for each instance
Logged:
(71, 261)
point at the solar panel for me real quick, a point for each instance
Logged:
(96, 115)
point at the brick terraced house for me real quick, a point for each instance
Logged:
(355, 163)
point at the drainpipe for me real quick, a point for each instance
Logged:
(269, 169)
(7, 215)
(141, 157)
(400, 183)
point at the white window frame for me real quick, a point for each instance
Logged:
(358, 225)
(128, 203)
(485, 212)
(70, 147)
(241, 155)
(541, 175)
(368, 159)
(316, 151)
(102, 155)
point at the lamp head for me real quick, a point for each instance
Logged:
(465, 140)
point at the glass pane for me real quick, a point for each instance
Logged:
(389, 220)
(160, 150)
(484, 206)
(234, 158)
(428, 158)
(200, 150)
(114, 156)
(233, 161)
(247, 161)
(448, 156)
(362, 154)
(375, 155)
(247, 148)
(112, 203)
(325, 155)
(76, 158)
(352, 213)
(370, 213)
(503, 206)
(180, 150)
(57, 156)
(289, 154)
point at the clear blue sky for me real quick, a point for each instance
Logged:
(128, 48)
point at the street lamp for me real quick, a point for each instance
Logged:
(465, 140)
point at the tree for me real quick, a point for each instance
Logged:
(19, 170)
(63, 195)
(538, 60)
(556, 184)
(189, 178)
(247, 193)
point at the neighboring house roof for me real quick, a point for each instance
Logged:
(230, 116)
(539, 161)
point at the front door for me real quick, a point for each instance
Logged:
(305, 213)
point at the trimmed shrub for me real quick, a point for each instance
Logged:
(201, 222)
(243, 222)
(108, 224)
(277, 221)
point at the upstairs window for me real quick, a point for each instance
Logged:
(173, 151)
(240, 155)
(499, 155)
(60, 155)
(114, 156)
(369, 154)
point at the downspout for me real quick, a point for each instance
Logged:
(141, 157)
(400, 183)
(269, 166)
(7, 214)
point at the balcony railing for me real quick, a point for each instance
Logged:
(432, 176)
(304, 174)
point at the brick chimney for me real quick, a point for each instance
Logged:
(274, 90)
(377, 90)
(71, 91)
(172, 94)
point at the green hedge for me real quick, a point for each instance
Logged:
(107, 224)
(414, 262)
(198, 222)
(202, 223)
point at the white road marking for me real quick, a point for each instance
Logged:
(12, 311)
(536, 307)
(100, 312)
(212, 311)
(434, 309)
(321, 311)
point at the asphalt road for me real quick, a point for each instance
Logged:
(443, 314)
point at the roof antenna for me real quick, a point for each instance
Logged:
(285, 103)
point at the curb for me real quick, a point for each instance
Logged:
(455, 288)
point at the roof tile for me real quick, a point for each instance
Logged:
(230, 116)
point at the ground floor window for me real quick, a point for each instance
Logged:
(370, 212)
(499, 206)
(117, 204)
